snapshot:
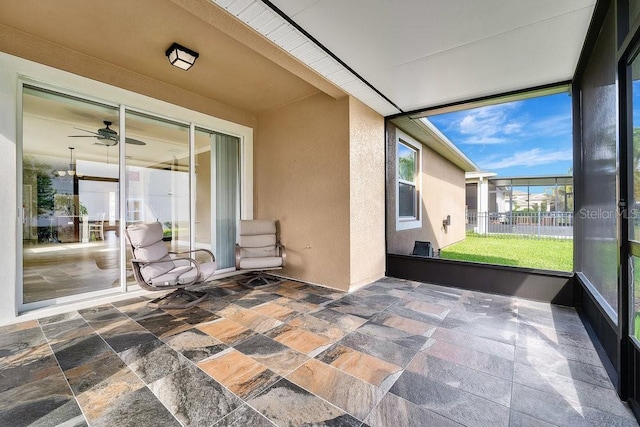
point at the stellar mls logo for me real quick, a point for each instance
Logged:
(600, 213)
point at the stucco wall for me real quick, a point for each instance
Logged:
(301, 178)
(442, 193)
(367, 193)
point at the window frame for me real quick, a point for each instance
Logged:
(412, 222)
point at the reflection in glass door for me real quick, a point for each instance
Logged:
(70, 173)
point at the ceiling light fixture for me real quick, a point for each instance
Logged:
(72, 166)
(181, 57)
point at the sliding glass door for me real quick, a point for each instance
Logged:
(71, 224)
(69, 185)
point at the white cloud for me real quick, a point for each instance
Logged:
(494, 124)
(528, 158)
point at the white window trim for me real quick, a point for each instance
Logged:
(409, 223)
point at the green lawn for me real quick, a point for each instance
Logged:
(547, 254)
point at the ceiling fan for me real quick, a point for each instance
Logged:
(106, 136)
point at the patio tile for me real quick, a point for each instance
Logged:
(287, 404)
(396, 336)
(483, 362)
(498, 331)
(193, 315)
(350, 394)
(518, 419)
(126, 334)
(133, 409)
(346, 306)
(79, 351)
(153, 360)
(295, 305)
(407, 313)
(361, 365)
(275, 311)
(194, 398)
(239, 373)
(85, 377)
(465, 362)
(396, 411)
(16, 327)
(540, 352)
(331, 331)
(32, 364)
(250, 319)
(162, 324)
(554, 410)
(66, 330)
(528, 333)
(410, 326)
(48, 401)
(195, 345)
(275, 356)
(571, 390)
(227, 331)
(301, 340)
(435, 311)
(484, 345)
(380, 348)
(463, 407)
(244, 416)
(586, 372)
(475, 382)
(335, 319)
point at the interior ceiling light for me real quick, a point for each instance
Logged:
(72, 166)
(181, 57)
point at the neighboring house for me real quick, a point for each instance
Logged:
(429, 203)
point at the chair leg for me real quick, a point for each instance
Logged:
(168, 301)
(259, 280)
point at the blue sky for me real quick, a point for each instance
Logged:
(521, 138)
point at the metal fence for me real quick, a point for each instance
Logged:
(530, 224)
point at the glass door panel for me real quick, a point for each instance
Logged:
(217, 194)
(634, 205)
(66, 149)
(157, 177)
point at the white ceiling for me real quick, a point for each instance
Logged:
(424, 53)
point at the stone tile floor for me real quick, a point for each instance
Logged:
(395, 353)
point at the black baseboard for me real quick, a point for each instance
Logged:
(540, 285)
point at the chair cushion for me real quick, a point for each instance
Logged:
(172, 277)
(206, 271)
(141, 235)
(262, 262)
(147, 243)
(258, 241)
(255, 227)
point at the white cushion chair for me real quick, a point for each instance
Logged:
(259, 251)
(155, 268)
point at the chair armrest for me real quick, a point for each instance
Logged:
(237, 256)
(208, 252)
(283, 252)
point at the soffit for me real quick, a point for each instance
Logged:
(423, 53)
(135, 34)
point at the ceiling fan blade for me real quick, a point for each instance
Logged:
(135, 141)
(81, 136)
(90, 131)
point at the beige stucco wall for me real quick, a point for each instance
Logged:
(442, 193)
(366, 181)
(301, 178)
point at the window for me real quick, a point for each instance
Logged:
(408, 173)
